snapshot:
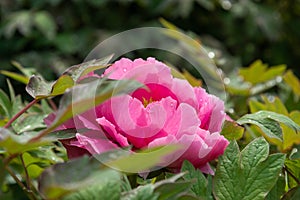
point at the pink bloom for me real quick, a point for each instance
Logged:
(170, 111)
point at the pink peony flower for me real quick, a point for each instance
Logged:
(170, 111)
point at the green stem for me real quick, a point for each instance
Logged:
(20, 113)
(27, 178)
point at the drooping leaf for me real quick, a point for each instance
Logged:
(86, 96)
(232, 131)
(38, 88)
(78, 71)
(64, 178)
(249, 174)
(144, 160)
(268, 122)
(290, 135)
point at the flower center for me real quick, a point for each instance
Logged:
(146, 102)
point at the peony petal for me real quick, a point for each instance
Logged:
(184, 92)
(184, 121)
(73, 151)
(210, 110)
(95, 145)
(110, 129)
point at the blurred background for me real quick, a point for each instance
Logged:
(51, 35)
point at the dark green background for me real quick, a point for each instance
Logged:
(51, 35)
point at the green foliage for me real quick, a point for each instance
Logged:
(249, 174)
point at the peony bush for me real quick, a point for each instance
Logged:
(168, 111)
(137, 132)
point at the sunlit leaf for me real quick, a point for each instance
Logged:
(250, 74)
(15, 76)
(274, 104)
(232, 131)
(38, 88)
(249, 174)
(292, 81)
(268, 122)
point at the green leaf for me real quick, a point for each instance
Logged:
(247, 175)
(290, 136)
(78, 71)
(110, 190)
(143, 160)
(18, 143)
(29, 122)
(278, 190)
(45, 23)
(38, 88)
(250, 74)
(201, 187)
(171, 188)
(293, 166)
(15, 76)
(64, 178)
(232, 131)
(86, 96)
(292, 81)
(293, 194)
(268, 122)
(5, 103)
(145, 192)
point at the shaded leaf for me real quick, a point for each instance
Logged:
(201, 186)
(64, 178)
(45, 23)
(293, 194)
(5, 103)
(110, 190)
(278, 190)
(18, 143)
(172, 188)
